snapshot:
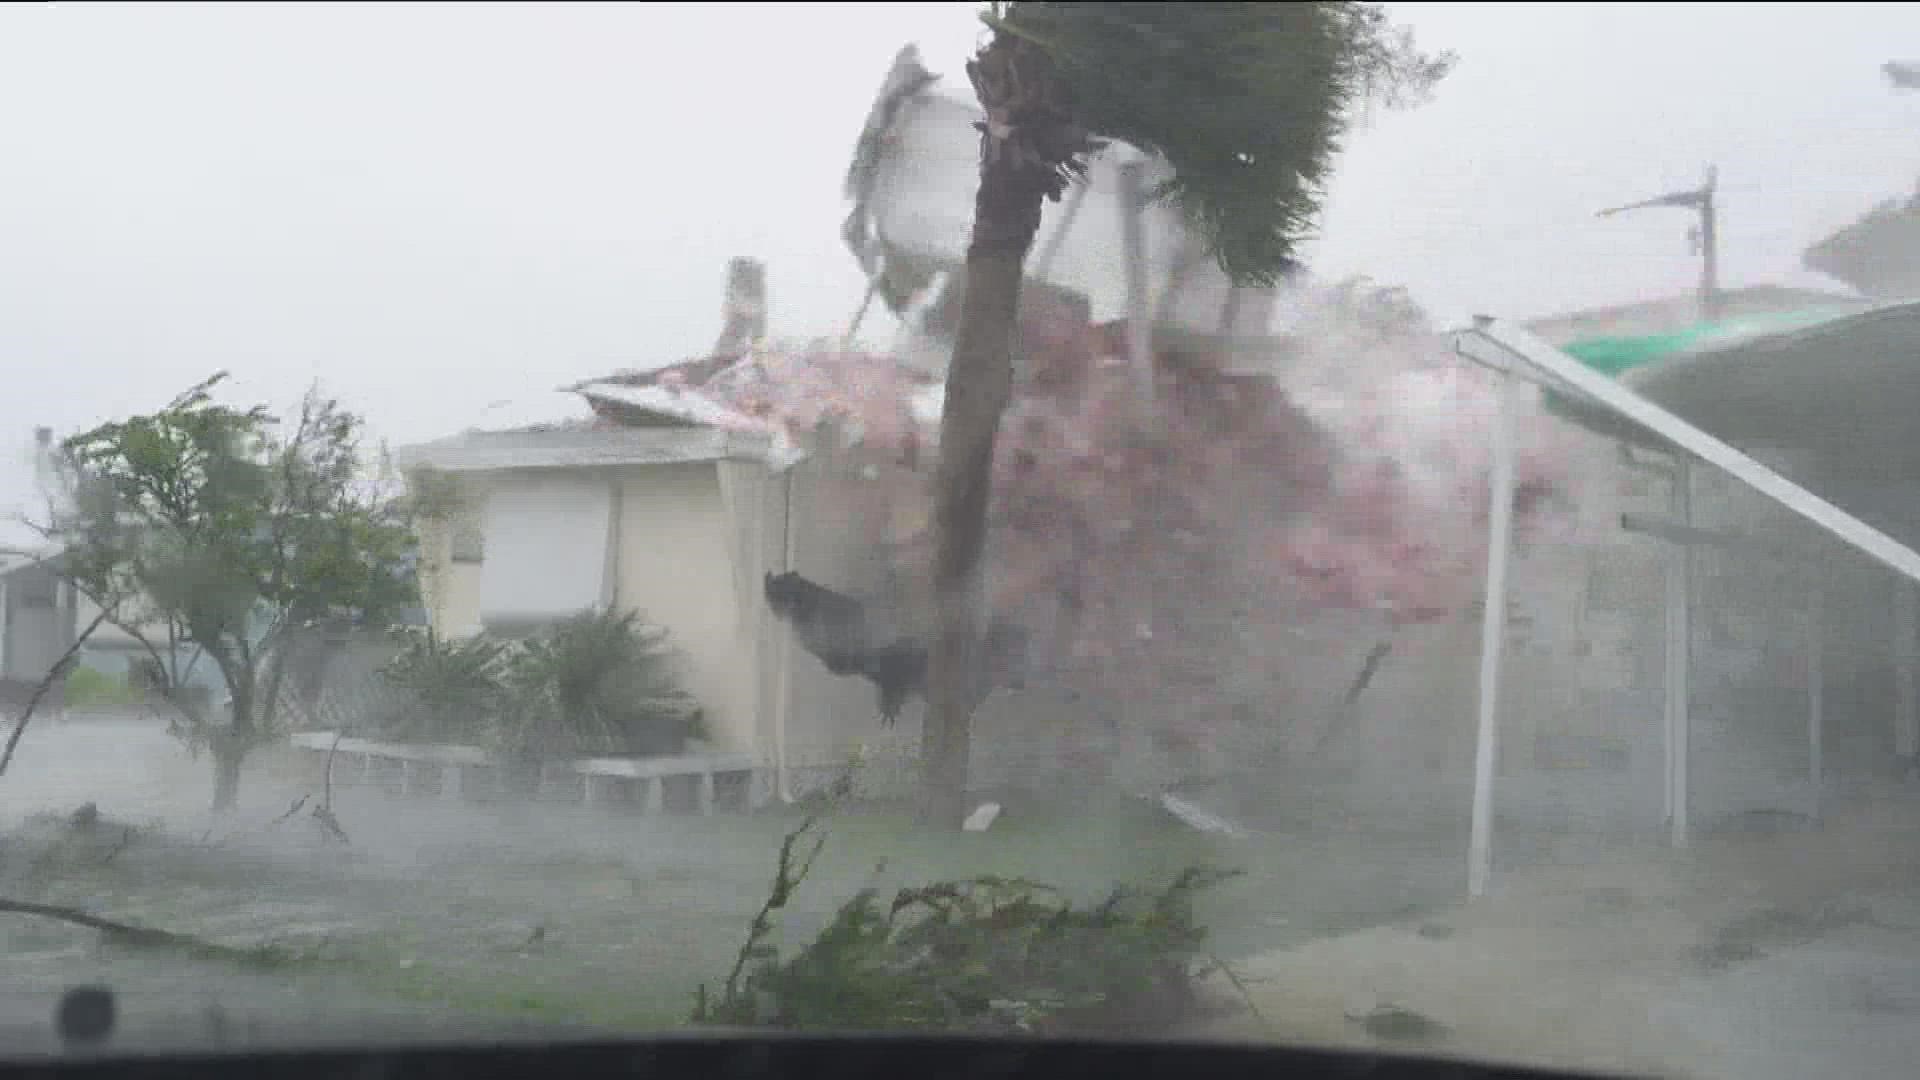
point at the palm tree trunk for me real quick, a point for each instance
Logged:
(1006, 217)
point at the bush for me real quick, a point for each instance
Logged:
(450, 691)
(985, 954)
(89, 687)
(596, 683)
(591, 684)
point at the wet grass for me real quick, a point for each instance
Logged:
(614, 922)
(1754, 935)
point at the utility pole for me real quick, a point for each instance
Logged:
(1701, 201)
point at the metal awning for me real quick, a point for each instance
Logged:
(1793, 379)
(1837, 381)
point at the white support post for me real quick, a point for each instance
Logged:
(1133, 236)
(1515, 343)
(1816, 694)
(1493, 637)
(706, 793)
(783, 703)
(655, 799)
(1069, 211)
(1906, 649)
(1679, 644)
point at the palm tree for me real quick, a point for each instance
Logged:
(1245, 101)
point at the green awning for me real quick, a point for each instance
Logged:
(1621, 356)
(1617, 355)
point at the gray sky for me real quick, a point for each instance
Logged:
(436, 207)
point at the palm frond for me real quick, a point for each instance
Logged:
(1247, 102)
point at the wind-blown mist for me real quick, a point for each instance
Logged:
(1162, 551)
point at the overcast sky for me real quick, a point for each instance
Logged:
(437, 207)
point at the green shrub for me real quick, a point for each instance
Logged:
(595, 683)
(449, 690)
(983, 954)
(599, 683)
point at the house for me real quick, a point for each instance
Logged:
(1879, 254)
(677, 521)
(1583, 696)
(43, 616)
(38, 611)
(38, 619)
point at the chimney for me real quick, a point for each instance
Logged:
(44, 473)
(743, 315)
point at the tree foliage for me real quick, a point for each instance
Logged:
(1247, 102)
(218, 532)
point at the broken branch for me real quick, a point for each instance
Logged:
(129, 934)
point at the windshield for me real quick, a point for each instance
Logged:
(1339, 524)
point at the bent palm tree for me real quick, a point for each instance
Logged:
(1246, 103)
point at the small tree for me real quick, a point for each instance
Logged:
(211, 532)
(1246, 103)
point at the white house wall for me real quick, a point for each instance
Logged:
(833, 541)
(754, 497)
(694, 542)
(449, 590)
(36, 634)
(675, 567)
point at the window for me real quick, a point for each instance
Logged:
(548, 542)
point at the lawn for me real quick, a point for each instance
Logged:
(608, 921)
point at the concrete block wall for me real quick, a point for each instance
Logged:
(1749, 668)
(1582, 709)
(1581, 744)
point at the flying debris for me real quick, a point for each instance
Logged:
(843, 635)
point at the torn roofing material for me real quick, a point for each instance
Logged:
(559, 447)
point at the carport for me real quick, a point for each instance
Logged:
(1841, 385)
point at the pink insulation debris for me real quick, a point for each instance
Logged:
(1356, 479)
